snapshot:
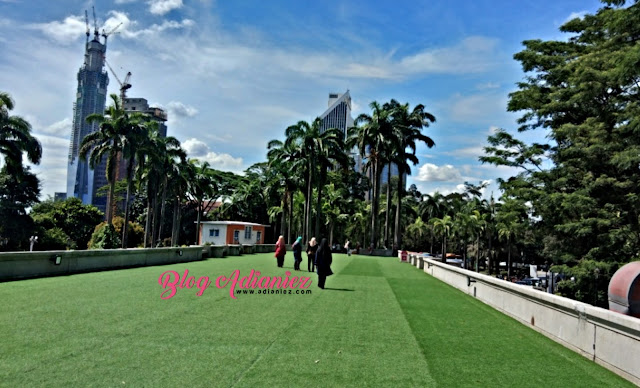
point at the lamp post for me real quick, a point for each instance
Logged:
(32, 241)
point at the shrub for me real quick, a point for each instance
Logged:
(105, 237)
(135, 233)
(53, 239)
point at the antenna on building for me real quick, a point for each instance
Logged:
(86, 22)
(95, 22)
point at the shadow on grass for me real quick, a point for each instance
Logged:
(338, 289)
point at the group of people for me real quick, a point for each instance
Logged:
(319, 257)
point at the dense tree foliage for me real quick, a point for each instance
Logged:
(583, 93)
(76, 220)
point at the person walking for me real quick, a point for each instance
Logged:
(281, 250)
(312, 247)
(347, 247)
(297, 253)
(323, 262)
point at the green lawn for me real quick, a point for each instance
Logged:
(379, 323)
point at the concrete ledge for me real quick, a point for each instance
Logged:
(233, 250)
(218, 251)
(606, 337)
(22, 265)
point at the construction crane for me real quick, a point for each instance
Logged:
(123, 85)
(105, 35)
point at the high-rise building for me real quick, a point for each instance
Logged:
(338, 115)
(141, 105)
(91, 95)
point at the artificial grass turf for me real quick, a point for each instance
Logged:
(378, 323)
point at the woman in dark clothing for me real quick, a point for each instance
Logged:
(312, 247)
(281, 250)
(323, 262)
(297, 253)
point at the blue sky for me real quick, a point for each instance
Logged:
(232, 75)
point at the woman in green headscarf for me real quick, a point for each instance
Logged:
(297, 253)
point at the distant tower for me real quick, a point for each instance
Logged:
(141, 105)
(338, 115)
(82, 182)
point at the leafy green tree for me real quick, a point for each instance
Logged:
(16, 138)
(18, 192)
(74, 218)
(105, 236)
(54, 239)
(583, 184)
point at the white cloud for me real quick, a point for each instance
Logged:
(488, 85)
(181, 110)
(52, 170)
(429, 172)
(73, 27)
(574, 15)
(61, 128)
(66, 31)
(161, 7)
(471, 55)
(477, 107)
(199, 150)
(125, 1)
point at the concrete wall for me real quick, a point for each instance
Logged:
(608, 338)
(20, 265)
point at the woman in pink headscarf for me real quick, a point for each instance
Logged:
(281, 250)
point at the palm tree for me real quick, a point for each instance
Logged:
(107, 141)
(329, 152)
(16, 138)
(180, 176)
(370, 135)
(407, 127)
(152, 169)
(443, 227)
(133, 150)
(308, 143)
(200, 188)
(284, 158)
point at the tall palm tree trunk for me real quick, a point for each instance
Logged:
(386, 219)
(147, 226)
(478, 253)
(509, 258)
(283, 218)
(174, 224)
(319, 202)
(375, 206)
(396, 238)
(162, 206)
(444, 248)
(109, 210)
(125, 227)
(490, 255)
(307, 225)
(290, 223)
(198, 220)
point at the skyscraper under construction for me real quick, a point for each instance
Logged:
(83, 182)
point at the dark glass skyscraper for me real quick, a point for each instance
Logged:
(83, 182)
